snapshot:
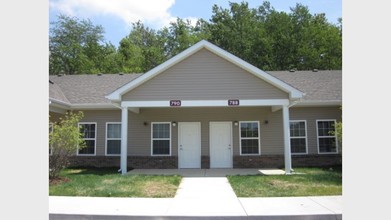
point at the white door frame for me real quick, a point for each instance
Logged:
(179, 136)
(231, 140)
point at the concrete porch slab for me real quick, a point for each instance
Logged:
(207, 172)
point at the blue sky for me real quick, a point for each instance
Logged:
(116, 15)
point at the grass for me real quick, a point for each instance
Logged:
(108, 183)
(307, 182)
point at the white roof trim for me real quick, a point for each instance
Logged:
(58, 103)
(94, 106)
(318, 103)
(203, 103)
(293, 92)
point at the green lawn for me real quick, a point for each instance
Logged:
(307, 182)
(108, 183)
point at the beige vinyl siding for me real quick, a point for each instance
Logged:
(140, 135)
(311, 114)
(101, 117)
(204, 76)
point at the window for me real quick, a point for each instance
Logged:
(298, 135)
(161, 138)
(88, 130)
(113, 138)
(50, 131)
(249, 138)
(327, 142)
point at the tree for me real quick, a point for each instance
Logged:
(76, 46)
(64, 140)
(141, 50)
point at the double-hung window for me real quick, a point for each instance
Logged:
(161, 138)
(327, 140)
(249, 138)
(88, 131)
(113, 138)
(298, 136)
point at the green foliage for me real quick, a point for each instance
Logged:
(77, 46)
(273, 40)
(262, 36)
(64, 140)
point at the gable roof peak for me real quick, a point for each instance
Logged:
(117, 94)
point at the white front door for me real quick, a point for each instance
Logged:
(220, 144)
(189, 144)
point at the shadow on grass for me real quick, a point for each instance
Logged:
(99, 171)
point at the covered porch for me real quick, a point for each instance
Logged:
(206, 114)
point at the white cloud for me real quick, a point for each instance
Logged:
(149, 11)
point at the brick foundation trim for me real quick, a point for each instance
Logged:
(277, 161)
(205, 162)
(316, 160)
(135, 162)
(262, 161)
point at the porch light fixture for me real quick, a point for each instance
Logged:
(145, 123)
(266, 122)
(173, 123)
(236, 123)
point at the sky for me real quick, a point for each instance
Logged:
(116, 15)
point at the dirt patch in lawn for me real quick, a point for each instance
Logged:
(283, 184)
(158, 189)
(58, 180)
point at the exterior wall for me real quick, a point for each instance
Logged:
(311, 114)
(139, 135)
(204, 76)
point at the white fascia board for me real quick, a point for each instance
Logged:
(293, 92)
(116, 95)
(204, 103)
(318, 103)
(58, 103)
(93, 106)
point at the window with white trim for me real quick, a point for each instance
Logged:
(50, 132)
(161, 138)
(88, 130)
(298, 136)
(249, 138)
(327, 142)
(113, 138)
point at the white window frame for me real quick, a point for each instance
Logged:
(107, 138)
(247, 138)
(152, 139)
(50, 147)
(96, 134)
(330, 136)
(306, 135)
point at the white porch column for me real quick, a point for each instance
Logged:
(287, 143)
(124, 140)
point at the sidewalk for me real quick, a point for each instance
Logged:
(197, 198)
(325, 207)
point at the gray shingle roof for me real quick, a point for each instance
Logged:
(321, 86)
(90, 89)
(56, 93)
